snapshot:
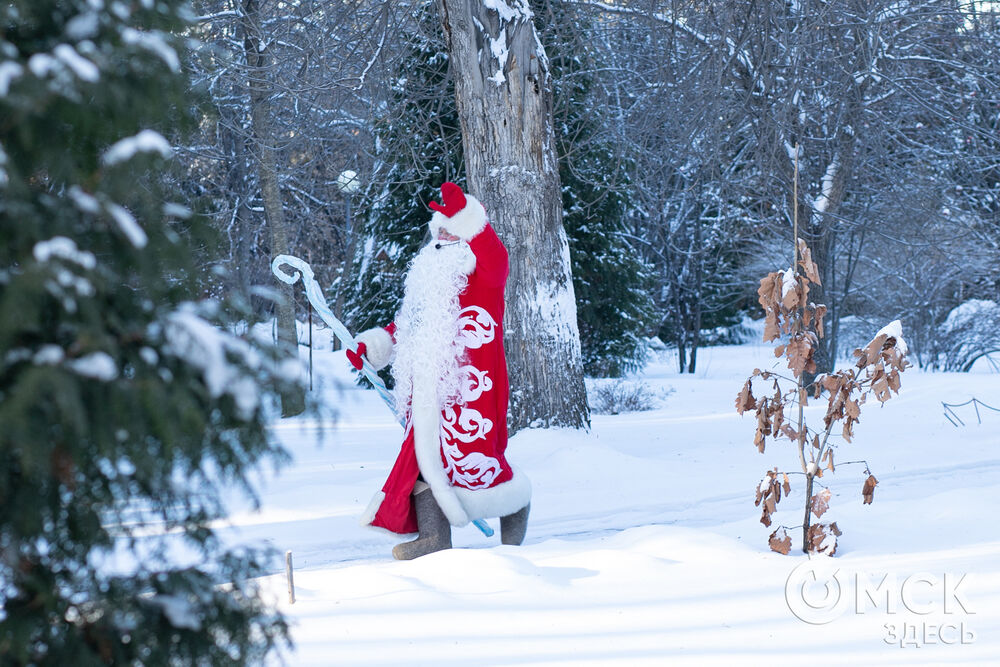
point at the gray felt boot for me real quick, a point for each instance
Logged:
(514, 526)
(435, 531)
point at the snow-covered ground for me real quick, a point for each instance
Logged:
(644, 545)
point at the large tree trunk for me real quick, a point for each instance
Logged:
(504, 101)
(267, 163)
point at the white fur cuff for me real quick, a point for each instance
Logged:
(466, 224)
(379, 346)
(500, 500)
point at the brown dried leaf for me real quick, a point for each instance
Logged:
(780, 350)
(836, 407)
(799, 352)
(768, 495)
(769, 292)
(872, 352)
(763, 417)
(881, 389)
(815, 442)
(892, 378)
(829, 460)
(791, 299)
(769, 296)
(776, 399)
(785, 485)
(758, 439)
(887, 342)
(853, 410)
(868, 491)
(798, 296)
(820, 503)
(832, 383)
(848, 432)
(834, 412)
(771, 328)
(745, 401)
(807, 263)
(819, 312)
(777, 419)
(821, 538)
(896, 359)
(780, 541)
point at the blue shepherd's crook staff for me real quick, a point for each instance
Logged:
(315, 294)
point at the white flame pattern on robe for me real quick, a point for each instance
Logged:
(459, 422)
(476, 327)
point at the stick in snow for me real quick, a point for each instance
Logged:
(288, 573)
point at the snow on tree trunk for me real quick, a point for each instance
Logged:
(504, 99)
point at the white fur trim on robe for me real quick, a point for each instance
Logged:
(466, 224)
(500, 500)
(459, 504)
(425, 416)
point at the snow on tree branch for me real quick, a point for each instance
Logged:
(147, 141)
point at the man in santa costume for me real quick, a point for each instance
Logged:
(446, 349)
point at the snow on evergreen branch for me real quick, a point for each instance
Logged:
(146, 141)
(195, 340)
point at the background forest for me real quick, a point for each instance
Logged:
(644, 162)
(677, 126)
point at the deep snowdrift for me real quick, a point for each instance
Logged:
(644, 544)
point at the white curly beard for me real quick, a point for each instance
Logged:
(428, 348)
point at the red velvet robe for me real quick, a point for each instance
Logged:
(461, 451)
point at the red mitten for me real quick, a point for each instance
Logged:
(355, 356)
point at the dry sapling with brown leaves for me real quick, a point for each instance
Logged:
(797, 324)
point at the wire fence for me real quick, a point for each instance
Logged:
(953, 417)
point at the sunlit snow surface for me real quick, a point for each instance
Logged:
(644, 546)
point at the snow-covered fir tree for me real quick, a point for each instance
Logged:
(122, 402)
